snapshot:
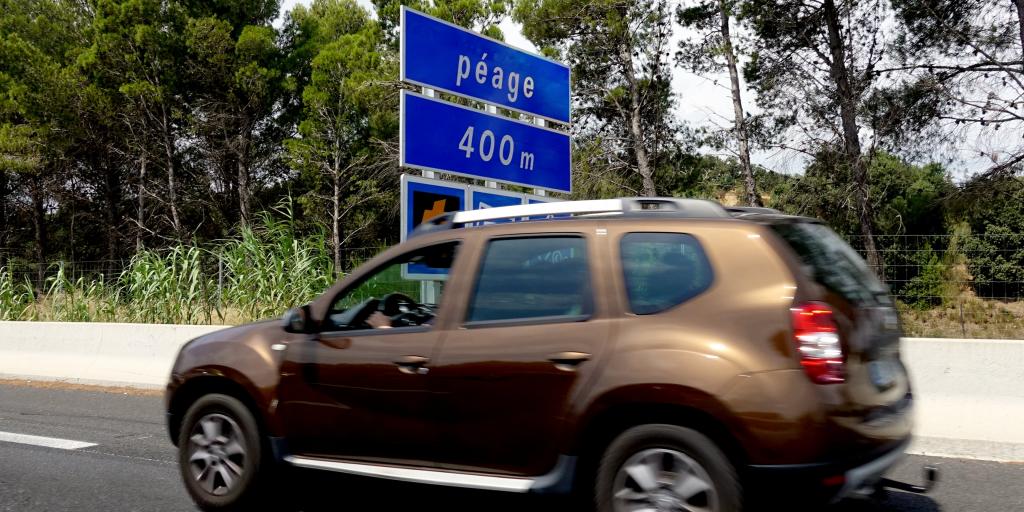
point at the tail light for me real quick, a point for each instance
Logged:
(817, 340)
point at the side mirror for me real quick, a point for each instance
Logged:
(297, 320)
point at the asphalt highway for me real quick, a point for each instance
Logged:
(109, 452)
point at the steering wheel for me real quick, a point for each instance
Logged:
(355, 316)
(396, 303)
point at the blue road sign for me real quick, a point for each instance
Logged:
(481, 198)
(422, 200)
(439, 55)
(444, 137)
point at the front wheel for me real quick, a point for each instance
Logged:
(663, 468)
(220, 454)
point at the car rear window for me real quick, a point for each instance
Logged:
(523, 278)
(833, 263)
(663, 270)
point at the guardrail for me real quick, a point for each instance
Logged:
(969, 394)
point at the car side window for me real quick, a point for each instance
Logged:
(529, 278)
(395, 295)
(663, 270)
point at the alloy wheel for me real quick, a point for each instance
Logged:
(216, 453)
(663, 480)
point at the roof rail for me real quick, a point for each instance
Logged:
(688, 208)
(743, 210)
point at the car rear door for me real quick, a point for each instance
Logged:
(531, 337)
(876, 387)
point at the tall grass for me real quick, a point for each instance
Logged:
(258, 274)
(168, 287)
(15, 298)
(268, 268)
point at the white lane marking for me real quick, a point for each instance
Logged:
(49, 442)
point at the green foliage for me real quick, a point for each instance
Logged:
(15, 297)
(259, 274)
(618, 51)
(991, 207)
(480, 15)
(168, 287)
(930, 286)
(162, 132)
(269, 268)
(907, 198)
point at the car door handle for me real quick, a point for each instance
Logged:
(568, 361)
(413, 365)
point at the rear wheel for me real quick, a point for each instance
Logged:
(666, 468)
(220, 454)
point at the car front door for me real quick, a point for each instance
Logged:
(356, 390)
(530, 337)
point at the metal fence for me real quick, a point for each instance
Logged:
(39, 274)
(935, 269)
(920, 270)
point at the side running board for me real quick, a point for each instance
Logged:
(555, 481)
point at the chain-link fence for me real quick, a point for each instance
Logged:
(947, 285)
(21, 270)
(37, 273)
(921, 270)
(931, 270)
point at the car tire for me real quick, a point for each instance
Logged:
(221, 455)
(662, 467)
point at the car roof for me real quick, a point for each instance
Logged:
(554, 214)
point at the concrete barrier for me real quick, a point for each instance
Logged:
(136, 355)
(969, 397)
(969, 394)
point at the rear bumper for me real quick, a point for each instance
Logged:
(830, 481)
(867, 475)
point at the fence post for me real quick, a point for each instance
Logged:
(960, 306)
(220, 282)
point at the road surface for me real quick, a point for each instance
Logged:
(124, 462)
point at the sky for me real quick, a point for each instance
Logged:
(706, 101)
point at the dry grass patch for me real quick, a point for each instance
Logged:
(967, 318)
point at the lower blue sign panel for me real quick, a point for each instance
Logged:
(444, 137)
(422, 200)
(482, 199)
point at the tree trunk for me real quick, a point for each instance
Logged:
(336, 216)
(172, 182)
(636, 128)
(112, 191)
(228, 176)
(244, 198)
(242, 167)
(740, 122)
(141, 215)
(1019, 4)
(4, 232)
(39, 223)
(851, 138)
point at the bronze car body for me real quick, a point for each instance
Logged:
(531, 404)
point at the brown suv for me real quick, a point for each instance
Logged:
(652, 354)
